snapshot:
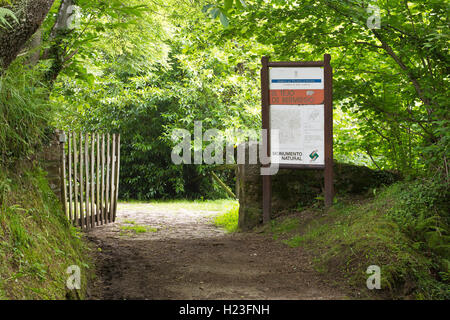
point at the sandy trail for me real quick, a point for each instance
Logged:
(189, 258)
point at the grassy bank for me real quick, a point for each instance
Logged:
(37, 244)
(403, 229)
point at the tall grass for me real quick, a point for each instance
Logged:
(24, 112)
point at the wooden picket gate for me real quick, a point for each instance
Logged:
(90, 175)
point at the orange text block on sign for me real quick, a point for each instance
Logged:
(296, 96)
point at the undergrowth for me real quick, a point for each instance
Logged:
(404, 230)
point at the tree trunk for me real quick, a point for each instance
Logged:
(61, 30)
(32, 49)
(30, 14)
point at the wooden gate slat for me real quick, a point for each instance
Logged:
(82, 213)
(97, 184)
(103, 181)
(108, 161)
(86, 164)
(93, 215)
(90, 173)
(69, 155)
(113, 159)
(75, 179)
(116, 185)
(63, 176)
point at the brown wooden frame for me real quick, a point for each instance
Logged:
(328, 127)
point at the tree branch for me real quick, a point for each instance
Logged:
(400, 63)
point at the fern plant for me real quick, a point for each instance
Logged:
(4, 13)
(423, 213)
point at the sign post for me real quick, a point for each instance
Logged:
(296, 99)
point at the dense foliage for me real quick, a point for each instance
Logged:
(390, 85)
(190, 80)
(391, 82)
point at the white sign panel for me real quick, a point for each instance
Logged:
(301, 134)
(297, 111)
(296, 78)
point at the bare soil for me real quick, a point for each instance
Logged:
(187, 257)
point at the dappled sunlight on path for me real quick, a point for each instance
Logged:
(176, 252)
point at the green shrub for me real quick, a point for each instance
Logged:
(24, 112)
(402, 230)
(422, 209)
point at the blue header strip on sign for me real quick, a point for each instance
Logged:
(296, 80)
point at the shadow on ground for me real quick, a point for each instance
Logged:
(187, 257)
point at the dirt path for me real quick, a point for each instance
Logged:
(189, 258)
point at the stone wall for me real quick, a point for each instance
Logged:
(294, 188)
(50, 160)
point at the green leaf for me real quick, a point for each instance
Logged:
(224, 20)
(215, 12)
(6, 13)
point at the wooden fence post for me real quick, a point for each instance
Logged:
(328, 174)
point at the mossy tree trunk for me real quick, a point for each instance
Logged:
(30, 14)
